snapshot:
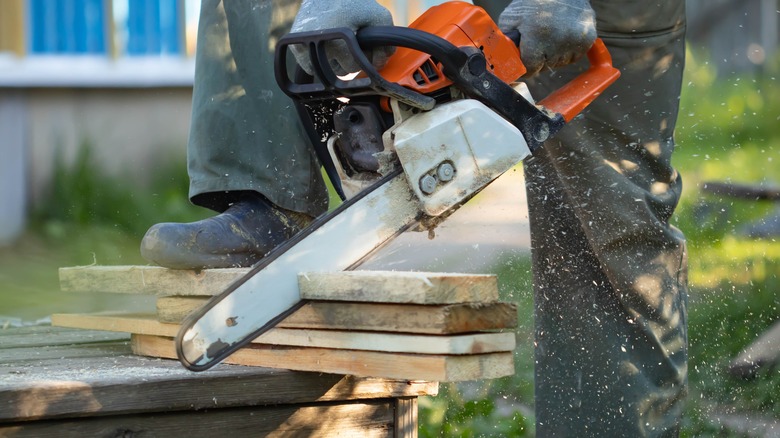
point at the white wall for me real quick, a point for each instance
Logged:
(129, 130)
(13, 187)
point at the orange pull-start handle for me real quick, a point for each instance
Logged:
(576, 95)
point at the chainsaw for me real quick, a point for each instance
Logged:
(404, 146)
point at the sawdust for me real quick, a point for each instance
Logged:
(403, 207)
(388, 162)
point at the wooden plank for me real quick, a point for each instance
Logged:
(174, 309)
(143, 324)
(407, 318)
(150, 280)
(398, 287)
(363, 286)
(440, 368)
(132, 384)
(359, 419)
(50, 337)
(15, 357)
(115, 381)
(474, 343)
(406, 423)
(31, 329)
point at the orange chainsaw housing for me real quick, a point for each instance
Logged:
(462, 24)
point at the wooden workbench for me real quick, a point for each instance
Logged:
(57, 382)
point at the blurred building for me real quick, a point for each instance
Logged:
(117, 74)
(114, 74)
(738, 35)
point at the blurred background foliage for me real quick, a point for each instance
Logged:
(727, 131)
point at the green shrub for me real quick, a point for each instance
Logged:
(82, 194)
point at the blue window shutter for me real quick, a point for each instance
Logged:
(71, 30)
(153, 27)
(67, 26)
(95, 23)
(138, 33)
(170, 27)
(42, 29)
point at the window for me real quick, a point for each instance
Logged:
(67, 27)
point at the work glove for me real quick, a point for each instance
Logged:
(328, 14)
(553, 33)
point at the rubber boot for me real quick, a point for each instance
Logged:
(238, 237)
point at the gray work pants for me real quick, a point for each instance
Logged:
(244, 132)
(609, 270)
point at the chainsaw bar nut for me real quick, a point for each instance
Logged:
(443, 173)
(428, 183)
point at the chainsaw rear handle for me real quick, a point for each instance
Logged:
(466, 67)
(573, 97)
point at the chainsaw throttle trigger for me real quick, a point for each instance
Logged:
(573, 97)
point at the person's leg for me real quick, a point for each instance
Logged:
(247, 156)
(609, 269)
(245, 133)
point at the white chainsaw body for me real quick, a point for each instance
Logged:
(453, 151)
(448, 153)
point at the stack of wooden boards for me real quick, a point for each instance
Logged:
(398, 325)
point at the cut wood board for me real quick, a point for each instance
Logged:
(475, 343)
(398, 287)
(363, 286)
(149, 280)
(406, 318)
(175, 309)
(440, 368)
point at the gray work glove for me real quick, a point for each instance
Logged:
(552, 33)
(328, 14)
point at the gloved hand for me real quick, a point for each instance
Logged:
(328, 14)
(553, 33)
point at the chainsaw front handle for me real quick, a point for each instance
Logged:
(576, 95)
(326, 84)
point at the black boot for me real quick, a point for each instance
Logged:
(238, 237)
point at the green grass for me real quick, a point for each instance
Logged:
(727, 131)
(80, 194)
(499, 407)
(87, 218)
(29, 270)
(722, 321)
